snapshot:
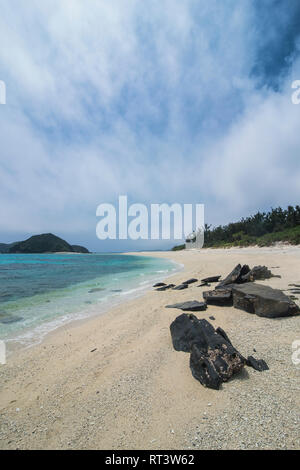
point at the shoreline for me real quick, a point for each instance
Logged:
(38, 334)
(114, 381)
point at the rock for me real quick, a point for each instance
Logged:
(213, 358)
(181, 287)
(257, 364)
(169, 286)
(159, 284)
(257, 273)
(204, 284)
(218, 297)
(263, 301)
(185, 330)
(211, 279)
(191, 306)
(221, 332)
(212, 318)
(7, 319)
(235, 276)
(190, 281)
(116, 290)
(294, 285)
(97, 289)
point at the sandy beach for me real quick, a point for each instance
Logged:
(115, 381)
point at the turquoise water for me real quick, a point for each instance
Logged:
(39, 292)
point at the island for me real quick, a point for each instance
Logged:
(44, 243)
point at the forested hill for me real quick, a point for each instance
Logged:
(263, 229)
(45, 243)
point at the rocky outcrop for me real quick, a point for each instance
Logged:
(257, 273)
(263, 301)
(235, 277)
(218, 297)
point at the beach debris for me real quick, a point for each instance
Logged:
(163, 288)
(211, 279)
(190, 281)
(7, 319)
(160, 284)
(257, 364)
(93, 350)
(263, 300)
(191, 306)
(181, 287)
(218, 297)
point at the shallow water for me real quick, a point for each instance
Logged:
(39, 292)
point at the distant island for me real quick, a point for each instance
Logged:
(261, 229)
(45, 243)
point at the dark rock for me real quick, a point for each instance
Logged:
(191, 306)
(221, 332)
(211, 279)
(257, 364)
(7, 319)
(181, 287)
(97, 289)
(185, 330)
(159, 284)
(263, 301)
(257, 273)
(116, 290)
(190, 281)
(213, 358)
(169, 286)
(204, 284)
(235, 277)
(294, 285)
(218, 297)
(212, 318)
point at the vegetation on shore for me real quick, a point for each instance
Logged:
(262, 229)
(45, 243)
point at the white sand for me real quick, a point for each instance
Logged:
(136, 392)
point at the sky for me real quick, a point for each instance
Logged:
(165, 101)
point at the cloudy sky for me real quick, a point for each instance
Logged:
(183, 101)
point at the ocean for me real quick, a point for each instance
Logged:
(39, 292)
